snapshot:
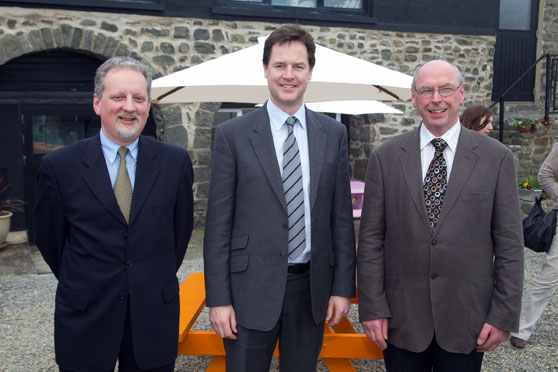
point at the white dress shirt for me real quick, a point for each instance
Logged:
(427, 149)
(279, 131)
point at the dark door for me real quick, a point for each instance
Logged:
(11, 159)
(515, 49)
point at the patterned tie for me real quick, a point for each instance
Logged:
(435, 183)
(294, 196)
(122, 186)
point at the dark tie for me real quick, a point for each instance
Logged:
(122, 186)
(294, 196)
(435, 182)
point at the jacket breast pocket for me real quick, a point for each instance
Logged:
(474, 196)
(162, 213)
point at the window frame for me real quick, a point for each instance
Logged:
(319, 13)
(117, 4)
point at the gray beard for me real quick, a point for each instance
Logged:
(125, 132)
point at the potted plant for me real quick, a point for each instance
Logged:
(523, 125)
(7, 207)
(529, 188)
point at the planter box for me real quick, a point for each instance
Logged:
(527, 199)
(529, 195)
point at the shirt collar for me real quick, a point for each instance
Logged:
(277, 116)
(110, 148)
(451, 136)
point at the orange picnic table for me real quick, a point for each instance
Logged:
(341, 343)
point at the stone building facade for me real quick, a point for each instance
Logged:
(530, 149)
(168, 44)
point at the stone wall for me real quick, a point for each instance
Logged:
(171, 44)
(530, 149)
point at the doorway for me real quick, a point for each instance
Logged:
(515, 49)
(46, 103)
(48, 128)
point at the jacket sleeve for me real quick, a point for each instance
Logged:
(49, 217)
(548, 174)
(342, 227)
(219, 220)
(507, 236)
(184, 211)
(370, 255)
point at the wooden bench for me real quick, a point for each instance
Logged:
(341, 342)
(357, 194)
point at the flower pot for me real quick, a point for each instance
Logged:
(529, 195)
(5, 219)
(524, 129)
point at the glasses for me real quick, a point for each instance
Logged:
(429, 92)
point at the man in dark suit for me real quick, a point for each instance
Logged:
(113, 217)
(279, 240)
(440, 256)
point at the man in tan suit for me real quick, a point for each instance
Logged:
(440, 254)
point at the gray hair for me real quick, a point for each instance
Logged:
(460, 78)
(119, 63)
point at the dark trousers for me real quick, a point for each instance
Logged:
(126, 359)
(300, 339)
(433, 359)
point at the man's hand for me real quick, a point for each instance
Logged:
(376, 330)
(490, 337)
(337, 309)
(223, 321)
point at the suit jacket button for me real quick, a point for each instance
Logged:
(121, 296)
(434, 276)
(285, 226)
(434, 242)
(129, 264)
(283, 254)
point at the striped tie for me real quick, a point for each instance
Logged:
(122, 186)
(294, 196)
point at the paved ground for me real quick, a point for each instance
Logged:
(27, 303)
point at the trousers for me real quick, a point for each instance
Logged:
(300, 338)
(433, 359)
(538, 293)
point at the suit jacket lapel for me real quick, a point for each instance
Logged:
(316, 151)
(97, 177)
(147, 170)
(463, 164)
(412, 169)
(262, 142)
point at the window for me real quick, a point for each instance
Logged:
(311, 4)
(331, 11)
(515, 15)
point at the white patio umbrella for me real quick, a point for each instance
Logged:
(239, 77)
(353, 107)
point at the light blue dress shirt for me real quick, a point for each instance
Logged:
(279, 131)
(110, 150)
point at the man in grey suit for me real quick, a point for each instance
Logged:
(279, 241)
(440, 256)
